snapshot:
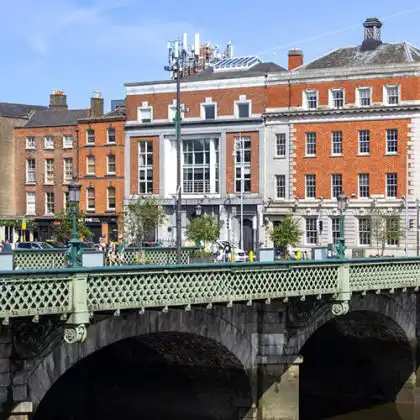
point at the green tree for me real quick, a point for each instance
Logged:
(64, 223)
(141, 218)
(286, 233)
(386, 228)
(205, 228)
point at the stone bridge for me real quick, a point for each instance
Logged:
(240, 356)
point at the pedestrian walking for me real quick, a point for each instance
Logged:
(215, 251)
(6, 247)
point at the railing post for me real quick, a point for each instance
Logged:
(341, 303)
(75, 330)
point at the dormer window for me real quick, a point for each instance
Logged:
(311, 99)
(392, 95)
(336, 98)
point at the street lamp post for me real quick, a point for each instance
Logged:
(74, 253)
(342, 201)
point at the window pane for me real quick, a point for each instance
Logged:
(209, 112)
(364, 231)
(364, 141)
(310, 144)
(311, 230)
(243, 110)
(337, 143)
(310, 186)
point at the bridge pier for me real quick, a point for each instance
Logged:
(278, 381)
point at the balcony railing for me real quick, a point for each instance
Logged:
(198, 187)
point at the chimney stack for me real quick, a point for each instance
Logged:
(58, 101)
(372, 34)
(295, 58)
(96, 105)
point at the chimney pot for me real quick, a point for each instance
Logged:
(58, 101)
(295, 58)
(96, 105)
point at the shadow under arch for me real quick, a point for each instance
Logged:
(353, 363)
(215, 324)
(160, 375)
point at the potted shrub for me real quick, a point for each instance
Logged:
(287, 233)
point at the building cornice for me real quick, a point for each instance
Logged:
(170, 87)
(100, 120)
(342, 74)
(342, 111)
(244, 122)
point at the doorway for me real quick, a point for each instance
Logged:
(248, 236)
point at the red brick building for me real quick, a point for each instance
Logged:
(346, 122)
(222, 104)
(101, 168)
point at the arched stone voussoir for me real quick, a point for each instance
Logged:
(401, 309)
(224, 328)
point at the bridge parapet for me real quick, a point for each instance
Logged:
(74, 294)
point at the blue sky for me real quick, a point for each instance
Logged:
(84, 45)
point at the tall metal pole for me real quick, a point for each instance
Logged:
(417, 226)
(406, 201)
(242, 155)
(178, 164)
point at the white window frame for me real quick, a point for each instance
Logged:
(46, 203)
(88, 208)
(145, 168)
(47, 144)
(332, 143)
(331, 97)
(203, 110)
(358, 231)
(28, 146)
(143, 108)
(65, 143)
(359, 99)
(107, 165)
(362, 197)
(306, 187)
(65, 195)
(88, 136)
(276, 148)
(276, 179)
(27, 171)
(87, 165)
(245, 169)
(359, 152)
(172, 111)
(107, 199)
(46, 172)
(305, 101)
(316, 230)
(306, 144)
(386, 89)
(28, 211)
(386, 185)
(65, 180)
(241, 102)
(339, 176)
(387, 152)
(334, 219)
(107, 135)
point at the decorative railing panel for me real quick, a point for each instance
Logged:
(391, 274)
(35, 294)
(203, 285)
(153, 256)
(32, 259)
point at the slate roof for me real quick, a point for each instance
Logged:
(17, 110)
(119, 111)
(396, 53)
(56, 118)
(209, 74)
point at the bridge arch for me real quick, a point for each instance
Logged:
(217, 325)
(401, 309)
